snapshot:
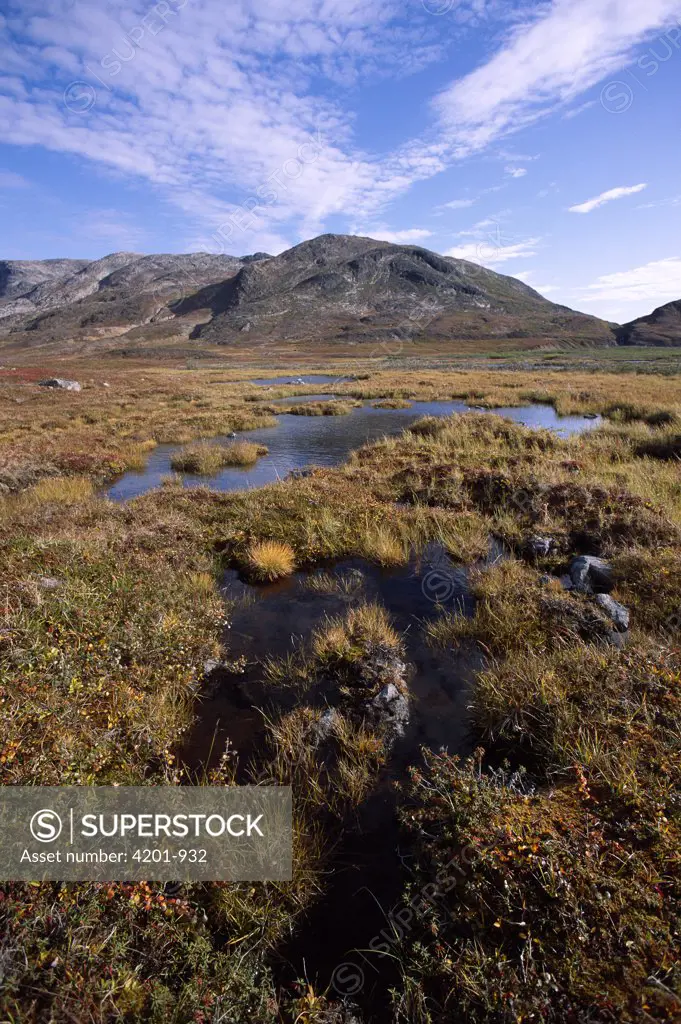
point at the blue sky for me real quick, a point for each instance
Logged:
(541, 139)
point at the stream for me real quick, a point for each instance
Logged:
(300, 441)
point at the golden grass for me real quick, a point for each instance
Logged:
(269, 560)
(380, 544)
(198, 458)
(392, 403)
(243, 453)
(346, 638)
(321, 409)
(206, 459)
(60, 490)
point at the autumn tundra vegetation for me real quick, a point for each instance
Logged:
(540, 868)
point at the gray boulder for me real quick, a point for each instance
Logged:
(616, 612)
(539, 547)
(325, 725)
(380, 665)
(591, 575)
(60, 384)
(390, 709)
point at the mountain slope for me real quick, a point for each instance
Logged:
(331, 289)
(112, 295)
(351, 288)
(17, 277)
(661, 327)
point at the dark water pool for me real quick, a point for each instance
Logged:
(367, 870)
(272, 621)
(300, 441)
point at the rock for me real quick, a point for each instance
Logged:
(566, 583)
(50, 582)
(615, 611)
(591, 575)
(569, 617)
(325, 725)
(539, 547)
(106, 385)
(381, 665)
(211, 665)
(390, 709)
(58, 382)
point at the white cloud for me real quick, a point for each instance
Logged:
(113, 229)
(398, 237)
(671, 201)
(557, 52)
(216, 100)
(458, 204)
(215, 103)
(576, 111)
(8, 179)
(657, 282)
(517, 172)
(481, 229)
(607, 197)
(527, 277)
(491, 255)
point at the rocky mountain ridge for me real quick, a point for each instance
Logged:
(328, 290)
(661, 327)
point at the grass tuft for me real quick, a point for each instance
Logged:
(61, 490)
(206, 459)
(269, 560)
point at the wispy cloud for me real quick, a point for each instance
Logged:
(527, 277)
(670, 201)
(115, 230)
(398, 237)
(212, 104)
(490, 255)
(8, 179)
(213, 107)
(458, 204)
(607, 197)
(657, 282)
(556, 53)
(516, 172)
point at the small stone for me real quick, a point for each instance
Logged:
(61, 384)
(539, 547)
(390, 708)
(566, 583)
(325, 725)
(615, 611)
(50, 582)
(591, 575)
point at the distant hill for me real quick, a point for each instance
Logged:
(661, 327)
(330, 289)
(342, 287)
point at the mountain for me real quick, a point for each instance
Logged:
(79, 299)
(17, 277)
(661, 327)
(340, 287)
(331, 289)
